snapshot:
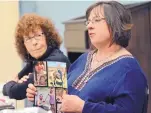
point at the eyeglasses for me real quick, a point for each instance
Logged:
(36, 37)
(94, 21)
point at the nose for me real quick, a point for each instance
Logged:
(34, 41)
(90, 25)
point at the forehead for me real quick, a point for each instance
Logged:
(97, 12)
(32, 32)
(39, 63)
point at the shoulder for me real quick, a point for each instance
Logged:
(57, 55)
(128, 67)
(129, 62)
(126, 60)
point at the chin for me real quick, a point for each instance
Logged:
(36, 56)
(94, 43)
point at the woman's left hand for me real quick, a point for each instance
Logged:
(72, 103)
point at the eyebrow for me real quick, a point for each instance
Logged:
(96, 17)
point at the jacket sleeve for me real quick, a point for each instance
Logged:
(129, 96)
(18, 90)
(7, 87)
(14, 89)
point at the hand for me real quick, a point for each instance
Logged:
(72, 103)
(31, 92)
(23, 79)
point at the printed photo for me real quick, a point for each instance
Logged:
(57, 76)
(59, 108)
(59, 94)
(40, 74)
(45, 99)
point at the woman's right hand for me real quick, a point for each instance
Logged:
(31, 92)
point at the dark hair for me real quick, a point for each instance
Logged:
(118, 19)
(39, 62)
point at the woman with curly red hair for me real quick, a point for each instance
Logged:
(36, 40)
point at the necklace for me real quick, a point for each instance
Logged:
(98, 62)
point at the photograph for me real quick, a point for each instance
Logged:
(40, 74)
(45, 98)
(57, 76)
(59, 108)
(59, 94)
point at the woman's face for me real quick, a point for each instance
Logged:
(39, 67)
(97, 28)
(35, 43)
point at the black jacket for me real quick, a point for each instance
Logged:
(18, 90)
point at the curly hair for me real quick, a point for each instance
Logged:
(31, 22)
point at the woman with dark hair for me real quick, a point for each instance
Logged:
(106, 79)
(36, 40)
(40, 67)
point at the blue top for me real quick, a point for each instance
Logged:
(118, 86)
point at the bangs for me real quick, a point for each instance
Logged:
(30, 29)
(98, 11)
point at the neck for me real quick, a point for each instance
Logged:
(102, 52)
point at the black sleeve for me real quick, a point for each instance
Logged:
(16, 90)
(26, 70)
(7, 86)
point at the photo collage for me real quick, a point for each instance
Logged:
(50, 79)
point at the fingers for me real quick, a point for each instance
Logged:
(32, 87)
(31, 92)
(29, 95)
(23, 79)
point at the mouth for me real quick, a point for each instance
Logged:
(91, 34)
(36, 50)
(39, 69)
